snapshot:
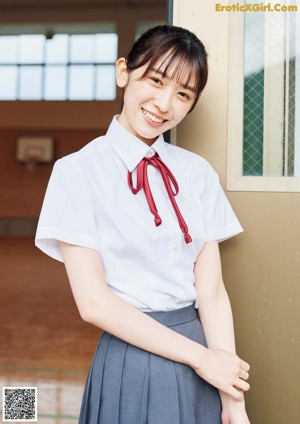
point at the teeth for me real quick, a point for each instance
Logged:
(152, 117)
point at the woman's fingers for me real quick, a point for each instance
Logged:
(245, 366)
(242, 385)
(244, 375)
(235, 393)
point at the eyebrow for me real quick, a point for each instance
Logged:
(164, 75)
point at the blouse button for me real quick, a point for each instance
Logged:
(150, 153)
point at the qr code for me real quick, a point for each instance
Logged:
(19, 404)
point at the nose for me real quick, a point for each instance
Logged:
(163, 100)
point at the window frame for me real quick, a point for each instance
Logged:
(236, 181)
(48, 30)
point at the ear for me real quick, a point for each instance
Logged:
(121, 72)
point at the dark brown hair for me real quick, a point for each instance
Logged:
(175, 44)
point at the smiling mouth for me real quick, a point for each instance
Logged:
(152, 117)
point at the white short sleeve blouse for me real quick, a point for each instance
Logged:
(88, 203)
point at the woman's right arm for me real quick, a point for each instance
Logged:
(98, 305)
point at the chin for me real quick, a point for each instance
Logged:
(149, 135)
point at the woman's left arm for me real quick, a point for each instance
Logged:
(216, 318)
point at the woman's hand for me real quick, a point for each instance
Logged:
(224, 370)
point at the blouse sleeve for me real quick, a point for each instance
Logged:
(67, 212)
(221, 222)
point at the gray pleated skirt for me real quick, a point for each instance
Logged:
(128, 385)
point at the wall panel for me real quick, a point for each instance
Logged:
(261, 266)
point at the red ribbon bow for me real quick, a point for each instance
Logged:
(170, 184)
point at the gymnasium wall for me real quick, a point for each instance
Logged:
(72, 123)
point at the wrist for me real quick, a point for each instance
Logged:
(229, 403)
(196, 356)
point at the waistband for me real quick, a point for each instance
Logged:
(175, 316)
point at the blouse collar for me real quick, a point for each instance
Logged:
(130, 148)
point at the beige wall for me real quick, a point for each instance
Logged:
(261, 266)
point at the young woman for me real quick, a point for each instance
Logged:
(137, 223)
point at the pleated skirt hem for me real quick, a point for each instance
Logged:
(128, 385)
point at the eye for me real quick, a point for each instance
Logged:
(185, 95)
(156, 80)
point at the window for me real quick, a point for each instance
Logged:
(58, 67)
(264, 102)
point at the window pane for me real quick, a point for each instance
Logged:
(297, 99)
(57, 49)
(81, 82)
(253, 124)
(106, 48)
(59, 68)
(8, 82)
(271, 100)
(82, 48)
(31, 82)
(253, 94)
(106, 82)
(55, 83)
(8, 49)
(31, 48)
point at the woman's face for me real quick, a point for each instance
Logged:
(152, 104)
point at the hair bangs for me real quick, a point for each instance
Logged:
(183, 68)
(177, 64)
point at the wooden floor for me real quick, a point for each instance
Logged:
(43, 341)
